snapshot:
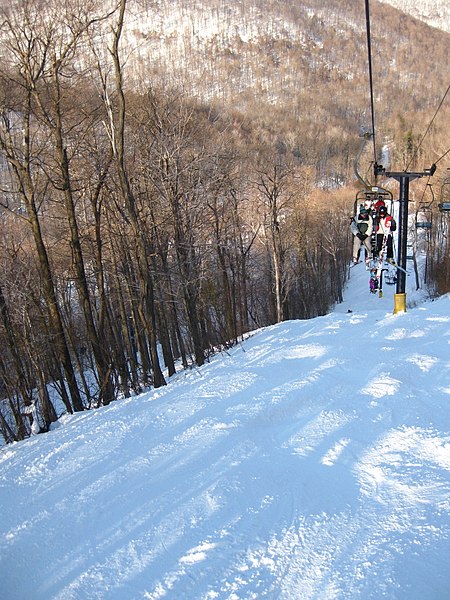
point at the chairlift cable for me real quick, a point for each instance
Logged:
(445, 154)
(369, 52)
(428, 129)
(428, 184)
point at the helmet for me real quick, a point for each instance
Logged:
(382, 211)
(363, 214)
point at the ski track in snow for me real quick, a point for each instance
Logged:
(283, 470)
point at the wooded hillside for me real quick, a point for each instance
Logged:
(158, 205)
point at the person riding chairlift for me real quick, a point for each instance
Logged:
(384, 228)
(362, 227)
(378, 204)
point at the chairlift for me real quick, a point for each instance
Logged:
(423, 225)
(444, 205)
(424, 213)
(390, 278)
(370, 195)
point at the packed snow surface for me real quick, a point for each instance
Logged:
(311, 461)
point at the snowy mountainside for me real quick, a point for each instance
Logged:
(302, 65)
(216, 46)
(433, 12)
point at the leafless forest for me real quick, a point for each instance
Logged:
(164, 191)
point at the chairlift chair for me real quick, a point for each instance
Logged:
(390, 278)
(444, 205)
(423, 225)
(424, 213)
(372, 194)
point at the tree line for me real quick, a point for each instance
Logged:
(140, 230)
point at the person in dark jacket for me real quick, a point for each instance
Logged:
(362, 227)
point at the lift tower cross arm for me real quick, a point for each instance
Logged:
(403, 177)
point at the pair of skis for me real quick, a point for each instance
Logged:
(377, 270)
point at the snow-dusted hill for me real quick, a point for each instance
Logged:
(433, 12)
(311, 462)
(297, 64)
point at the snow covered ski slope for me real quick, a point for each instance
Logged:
(310, 462)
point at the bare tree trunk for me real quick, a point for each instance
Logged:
(270, 184)
(8, 434)
(51, 113)
(26, 189)
(30, 68)
(185, 259)
(147, 309)
(13, 390)
(11, 346)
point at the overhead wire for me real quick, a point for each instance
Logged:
(428, 129)
(445, 154)
(429, 176)
(372, 109)
(369, 52)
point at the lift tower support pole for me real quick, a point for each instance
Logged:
(403, 178)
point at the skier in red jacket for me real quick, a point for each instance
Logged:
(384, 228)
